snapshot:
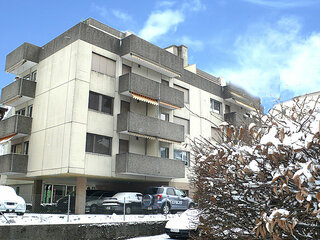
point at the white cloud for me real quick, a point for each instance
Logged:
(160, 23)
(271, 59)
(165, 4)
(282, 3)
(121, 15)
(102, 11)
(196, 45)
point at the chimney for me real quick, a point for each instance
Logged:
(180, 51)
(183, 53)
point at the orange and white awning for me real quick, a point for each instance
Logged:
(141, 135)
(168, 141)
(6, 139)
(144, 98)
(169, 105)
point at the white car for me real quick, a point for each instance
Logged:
(10, 201)
(183, 225)
(131, 201)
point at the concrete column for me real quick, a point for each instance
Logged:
(36, 195)
(81, 188)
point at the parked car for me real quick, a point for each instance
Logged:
(166, 199)
(184, 225)
(91, 196)
(132, 202)
(10, 201)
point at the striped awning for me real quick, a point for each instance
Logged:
(168, 141)
(7, 138)
(141, 135)
(169, 105)
(144, 98)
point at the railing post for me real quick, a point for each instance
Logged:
(68, 207)
(124, 208)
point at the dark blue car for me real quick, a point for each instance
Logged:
(166, 200)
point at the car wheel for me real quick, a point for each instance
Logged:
(128, 210)
(192, 205)
(165, 209)
(94, 209)
(20, 213)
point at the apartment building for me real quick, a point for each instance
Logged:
(102, 109)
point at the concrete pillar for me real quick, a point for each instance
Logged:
(36, 195)
(80, 207)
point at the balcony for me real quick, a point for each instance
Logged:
(238, 119)
(16, 125)
(13, 164)
(130, 122)
(23, 58)
(240, 97)
(151, 56)
(18, 92)
(168, 97)
(142, 165)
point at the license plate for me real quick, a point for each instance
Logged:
(174, 230)
(149, 208)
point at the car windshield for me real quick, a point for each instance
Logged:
(154, 190)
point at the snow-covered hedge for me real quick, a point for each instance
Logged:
(263, 181)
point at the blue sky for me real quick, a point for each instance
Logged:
(269, 47)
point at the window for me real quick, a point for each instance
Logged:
(165, 116)
(123, 146)
(184, 122)
(26, 148)
(29, 111)
(215, 106)
(185, 92)
(170, 191)
(164, 152)
(103, 65)
(165, 82)
(17, 148)
(100, 102)
(34, 76)
(26, 77)
(21, 112)
(216, 134)
(98, 144)
(125, 69)
(125, 107)
(182, 155)
(180, 193)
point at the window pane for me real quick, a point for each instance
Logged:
(29, 114)
(89, 142)
(94, 101)
(177, 155)
(165, 82)
(26, 148)
(102, 145)
(27, 77)
(107, 103)
(164, 152)
(95, 62)
(170, 191)
(165, 116)
(34, 76)
(102, 65)
(111, 67)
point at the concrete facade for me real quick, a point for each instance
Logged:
(127, 124)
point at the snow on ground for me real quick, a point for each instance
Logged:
(35, 219)
(157, 237)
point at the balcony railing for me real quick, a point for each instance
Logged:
(167, 96)
(16, 125)
(13, 163)
(144, 53)
(136, 164)
(18, 92)
(130, 122)
(22, 58)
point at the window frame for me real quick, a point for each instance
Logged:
(187, 161)
(94, 147)
(213, 105)
(99, 108)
